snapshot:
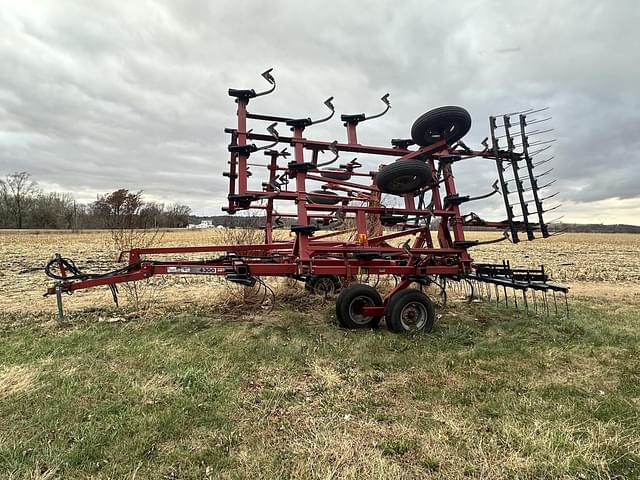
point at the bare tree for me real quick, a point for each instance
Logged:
(51, 210)
(178, 215)
(24, 205)
(17, 192)
(122, 213)
(5, 205)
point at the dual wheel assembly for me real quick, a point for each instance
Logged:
(407, 310)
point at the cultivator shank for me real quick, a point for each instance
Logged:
(348, 216)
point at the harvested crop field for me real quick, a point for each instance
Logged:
(593, 264)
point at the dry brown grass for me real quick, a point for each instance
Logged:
(16, 380)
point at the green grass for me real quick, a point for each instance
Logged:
(204, 394)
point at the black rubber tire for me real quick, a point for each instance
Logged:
(404, 176)
(322, 200)
(323, 284)
(412, 299)
(389, 220)
(353, 297)
(450, 122)
(336, 174)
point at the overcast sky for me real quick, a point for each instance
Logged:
(96, 96)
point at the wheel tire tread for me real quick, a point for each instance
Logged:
(422, 123)
(387, 174)
(397, 301)
(345, 298)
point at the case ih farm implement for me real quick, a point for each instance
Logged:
(328, 196)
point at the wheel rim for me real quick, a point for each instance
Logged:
(436, 134)
(414, 316)
(444, 129)
(355, 310)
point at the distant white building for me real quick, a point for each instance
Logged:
(202, 224)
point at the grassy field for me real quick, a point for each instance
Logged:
(199, 390)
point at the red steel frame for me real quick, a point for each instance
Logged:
(321, 254)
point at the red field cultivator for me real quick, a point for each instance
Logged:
(325, 199)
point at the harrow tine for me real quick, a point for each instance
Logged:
(547, 172)
(559, 232)
(549, 196)
(539, 151)
(538, 132)
(546, 304)
(537, 111)
(515, 299)
(533, 144)
(542, 142)
(566, 303)
(555, 303)
(535, 303)
(547, 184)
(471, 291)
(506, 297)
(536, 120)
(521, 112)
(526, 304)
(542, 162)
(556, 219)
(552, 208)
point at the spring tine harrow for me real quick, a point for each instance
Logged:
(503, 185)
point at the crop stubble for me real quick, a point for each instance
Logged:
(594, 265)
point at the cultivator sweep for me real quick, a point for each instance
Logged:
(346, 221)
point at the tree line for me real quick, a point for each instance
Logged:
(24, 205)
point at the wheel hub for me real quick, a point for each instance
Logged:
(413, 316)
(355, 309)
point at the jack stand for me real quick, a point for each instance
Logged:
(59, 302)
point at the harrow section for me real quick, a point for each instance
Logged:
(522, 280)
(348, 216)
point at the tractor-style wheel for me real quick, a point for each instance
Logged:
(322, 200)
(404, 176)
(451, 123)
(323, 285)
(410, 310)
(350, 303)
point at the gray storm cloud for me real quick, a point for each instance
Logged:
(100, 95)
